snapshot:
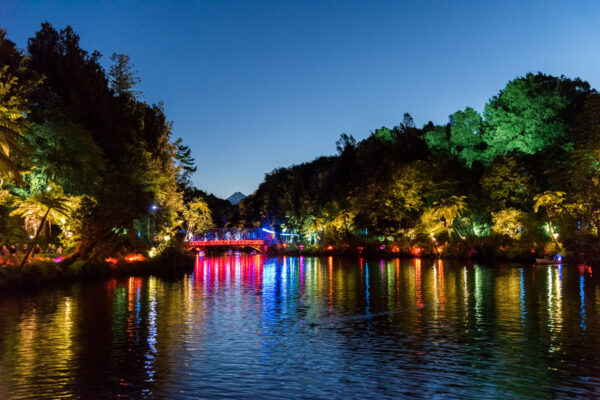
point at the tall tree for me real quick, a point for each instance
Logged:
(532, 113)
(123, 76)
(16, 84)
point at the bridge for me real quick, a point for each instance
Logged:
(257, 239)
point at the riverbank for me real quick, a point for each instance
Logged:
(46, 273)
(480, 252)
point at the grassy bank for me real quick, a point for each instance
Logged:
(46, 273)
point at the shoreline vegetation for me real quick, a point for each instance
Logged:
(87, 166)
(38, 274)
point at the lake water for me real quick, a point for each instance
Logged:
(277, 328)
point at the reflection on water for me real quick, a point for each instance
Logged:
(311, 327)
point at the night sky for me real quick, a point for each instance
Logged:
(252, 86)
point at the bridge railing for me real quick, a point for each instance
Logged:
(234, 234)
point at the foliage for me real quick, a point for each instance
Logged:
(532, 113)
(96, 163)
(508, 222)
(197, 216)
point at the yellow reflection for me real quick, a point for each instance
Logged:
(478, 296)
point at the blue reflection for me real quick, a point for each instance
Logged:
(522, 297)
(367, 295)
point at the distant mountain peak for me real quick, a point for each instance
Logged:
(236, 197)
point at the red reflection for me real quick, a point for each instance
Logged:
(330, 267)
(442, 295)
(419, 295)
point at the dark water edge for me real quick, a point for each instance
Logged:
(242, 327)
(38, 275)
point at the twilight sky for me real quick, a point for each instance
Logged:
(256, 85)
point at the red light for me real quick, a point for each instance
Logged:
(416, 251)
(330, 247)
(200, 243)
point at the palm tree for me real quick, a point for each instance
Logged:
(313, 225)
(197, 215)
(45, 207)
(448, 209)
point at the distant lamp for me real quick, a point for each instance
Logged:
(555, 235)
(153, 207)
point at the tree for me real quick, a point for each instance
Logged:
(553, 204)
(123, 76)
(66, 153)
(16, 84)
(185, 164)
(448, 209)
(50, 206)
(532, 113)
(197, 217)
(465, 136)
(507, 184)
(508, 222)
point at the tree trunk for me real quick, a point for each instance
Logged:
(33, 243)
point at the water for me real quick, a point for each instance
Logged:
(312, 328)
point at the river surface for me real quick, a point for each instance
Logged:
(257, 327)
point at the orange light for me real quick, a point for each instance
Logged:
(134, 257)
(416, 251)
(395, 249)
(111, 260)
(330, 247)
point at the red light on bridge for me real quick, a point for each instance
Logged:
(202, 243)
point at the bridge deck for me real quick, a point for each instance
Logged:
(205, 243)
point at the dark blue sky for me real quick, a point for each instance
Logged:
(255, 85)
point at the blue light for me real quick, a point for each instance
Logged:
(153, 207)
(268, 231)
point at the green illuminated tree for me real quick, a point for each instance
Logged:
(532, 113)
(465, 136)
